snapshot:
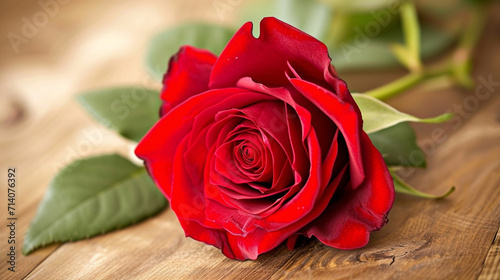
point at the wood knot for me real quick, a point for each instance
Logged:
(12, 110)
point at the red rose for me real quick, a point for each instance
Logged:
(265, 143)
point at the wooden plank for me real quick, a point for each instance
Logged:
(36, 162)
(41, 126)
(146, 251)
(424, 239)
(491, 267)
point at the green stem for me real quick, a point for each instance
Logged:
(401, 186)
(411, 28)
(463, 54)
(406, 82)
(459, 66)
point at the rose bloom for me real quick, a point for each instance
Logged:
(265, 143)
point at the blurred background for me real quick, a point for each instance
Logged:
(53, 50)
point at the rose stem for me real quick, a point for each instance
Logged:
(460, 65)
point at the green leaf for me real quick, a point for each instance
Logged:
(357, 5)
(164, 45)
(402, 187)
(131, 111)
(371, 52)
(398, 146)
(328, 23)
(359, 33)
(434, 41)
(378, 115)
(350, 55)
(309, 16)
(255, 11)
(90, 197)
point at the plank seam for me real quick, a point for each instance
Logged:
(46, 257)
(497, 235)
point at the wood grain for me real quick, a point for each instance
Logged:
(94, 44)
(491, 267)
(425, 239)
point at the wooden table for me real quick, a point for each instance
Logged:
(93, 44)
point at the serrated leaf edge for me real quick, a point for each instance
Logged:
(31, 248)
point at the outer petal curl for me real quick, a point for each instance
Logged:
(350, 217)
(187, 75)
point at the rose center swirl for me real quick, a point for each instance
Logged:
(252, 155)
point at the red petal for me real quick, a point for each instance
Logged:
(213, 237)
(291, 241)
(347, 222)
(188, 74)
(340, 88)
(255, 243)
(264, 59)
(157, 148)
(304, 200)
(249, 243)
(346, 118)
(281, 93)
